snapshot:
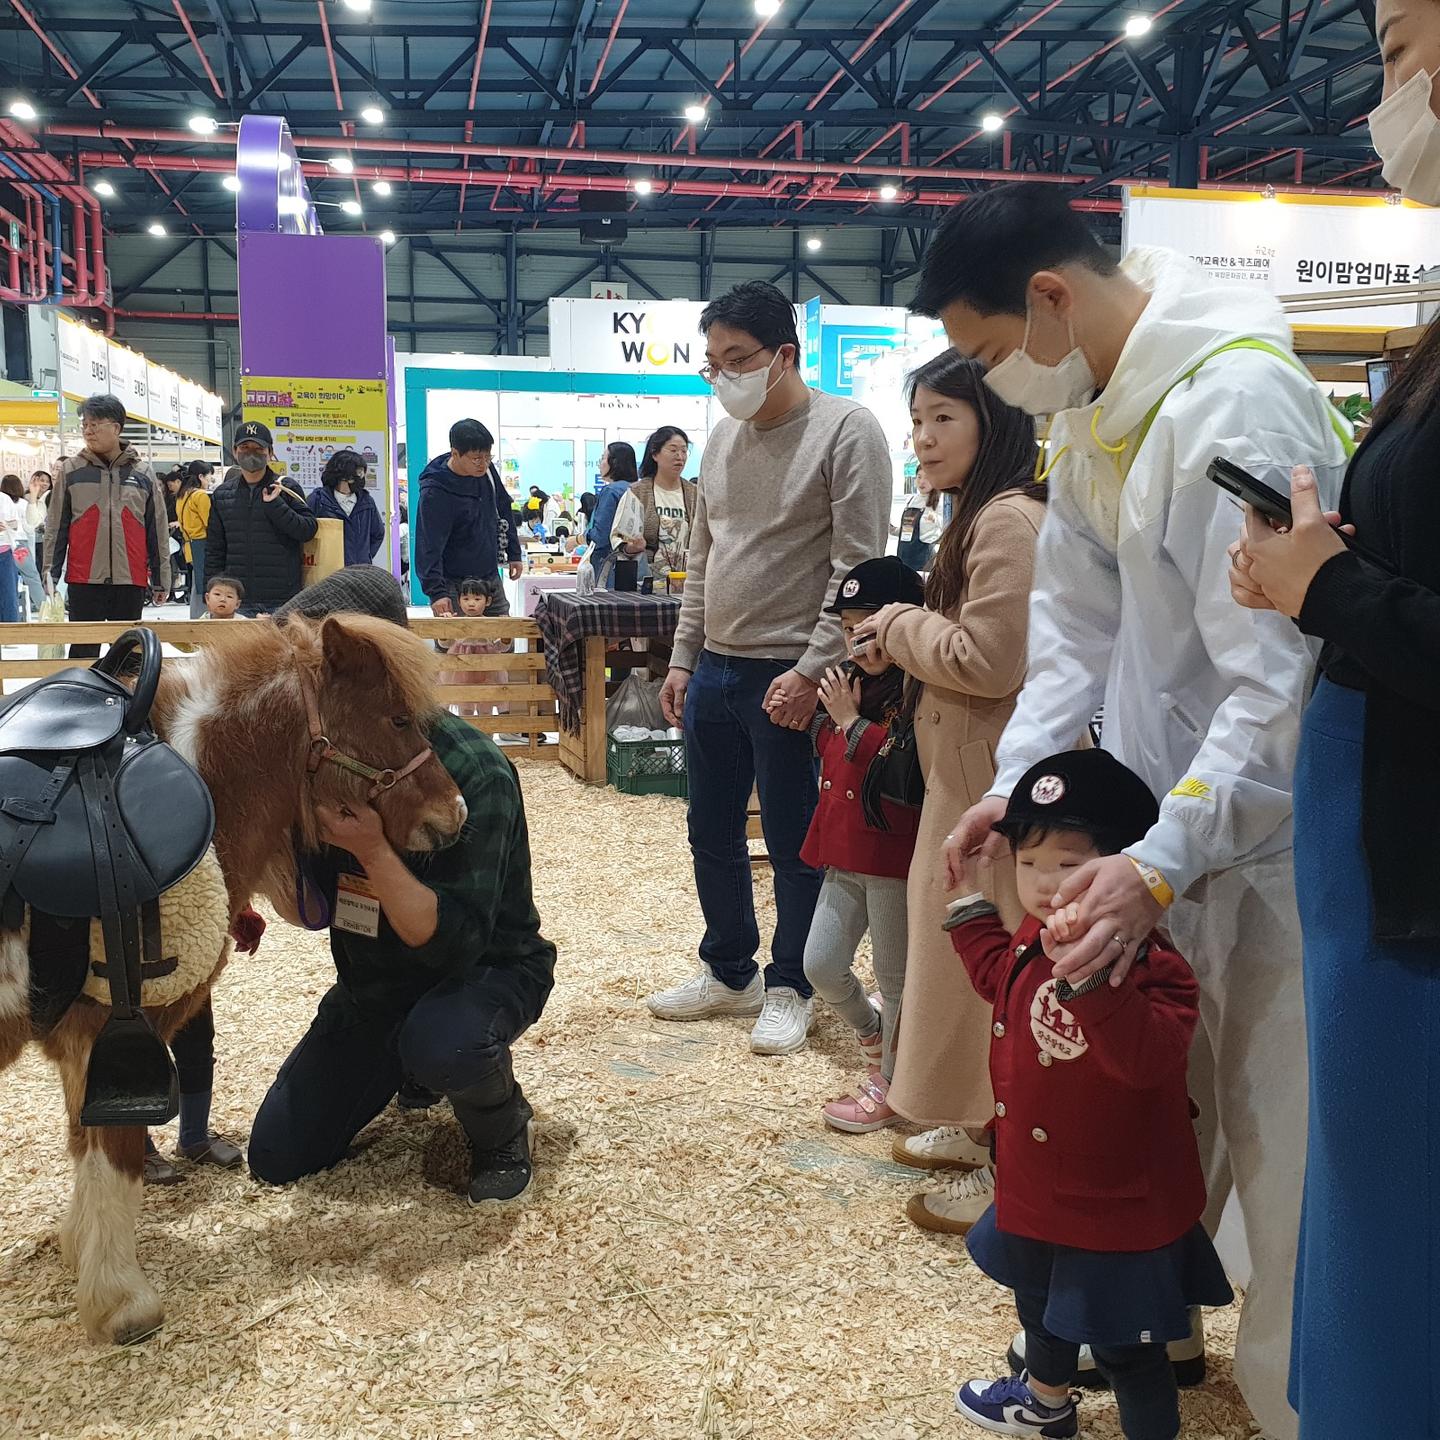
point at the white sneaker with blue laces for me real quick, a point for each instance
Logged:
(1010, 1407)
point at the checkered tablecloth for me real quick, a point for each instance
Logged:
(566, 620)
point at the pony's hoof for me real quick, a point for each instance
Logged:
(133, 1319)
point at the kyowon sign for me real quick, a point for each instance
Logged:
(624, 337)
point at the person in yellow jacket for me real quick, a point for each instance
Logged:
(192, 511)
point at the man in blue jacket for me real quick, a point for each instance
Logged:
(464, 512)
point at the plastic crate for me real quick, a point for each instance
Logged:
(647, 767)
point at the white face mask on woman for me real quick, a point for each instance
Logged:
(743, 396)
(1042, 389)
(1406, 136)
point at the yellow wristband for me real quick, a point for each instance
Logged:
(1155, 882)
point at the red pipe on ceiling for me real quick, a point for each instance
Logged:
(55, 50)
(195, 41)
(604, 54)
(329, 53)
(805, 168)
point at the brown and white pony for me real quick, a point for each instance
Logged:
(238, 711)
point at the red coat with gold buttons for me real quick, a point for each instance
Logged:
(1094, 1142)
(839, 835)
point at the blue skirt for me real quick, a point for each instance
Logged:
(1367, 1308)
(1104, 1297)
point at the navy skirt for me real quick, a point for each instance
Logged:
(1367, 1318)
(1104, 1297)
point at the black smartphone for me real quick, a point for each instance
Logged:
(1273, 506)
(1240, 483)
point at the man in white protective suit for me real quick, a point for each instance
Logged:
(1151, 369)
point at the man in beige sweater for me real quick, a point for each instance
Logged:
(794, 493)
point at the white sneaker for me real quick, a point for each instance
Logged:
(946, 1148)
(703, 996)
(953, 1210)
(785, 1022)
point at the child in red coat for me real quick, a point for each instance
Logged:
(865, 863)
(1098, 1186)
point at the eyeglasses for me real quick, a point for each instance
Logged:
(710, 371)
(89, 422)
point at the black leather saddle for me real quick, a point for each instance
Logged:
(97, 819)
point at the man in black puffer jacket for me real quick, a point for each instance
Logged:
(258, 527)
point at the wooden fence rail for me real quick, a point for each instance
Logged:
(519, 685)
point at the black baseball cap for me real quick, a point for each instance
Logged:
(254, 430)
(1085, 790)
(874, 584)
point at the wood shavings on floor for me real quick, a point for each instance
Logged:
(699, 1257)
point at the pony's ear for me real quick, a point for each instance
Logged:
(351, 654)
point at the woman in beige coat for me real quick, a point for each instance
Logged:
(965, 654)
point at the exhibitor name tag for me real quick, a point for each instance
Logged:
(357, 911)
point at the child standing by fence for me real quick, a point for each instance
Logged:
(475, 599)
(865, 863)
(1098, 1186)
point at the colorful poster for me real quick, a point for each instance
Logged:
(312, 419)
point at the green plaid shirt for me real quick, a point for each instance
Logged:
(487, 912)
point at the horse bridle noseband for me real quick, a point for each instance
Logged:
(321, 750)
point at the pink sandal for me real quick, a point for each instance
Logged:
(866, 1110)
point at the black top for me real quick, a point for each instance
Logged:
(1382, 635)
(258, 541)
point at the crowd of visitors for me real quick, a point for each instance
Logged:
(1126, 972)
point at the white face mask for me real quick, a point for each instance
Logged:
(1406, 136)
(744, 395)
(1042, 389)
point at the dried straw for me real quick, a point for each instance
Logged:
(699, 1257)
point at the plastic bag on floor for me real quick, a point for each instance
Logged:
(636, 702)
(51, 612)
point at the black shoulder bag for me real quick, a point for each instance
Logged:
(895, 773)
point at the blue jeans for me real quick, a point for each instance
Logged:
(9, 588)
(197, 579)
(730, 747)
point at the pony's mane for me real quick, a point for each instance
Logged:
(409, 663)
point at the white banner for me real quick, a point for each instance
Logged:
(129, 381)
(210, 417)
(84, 360)
(164, 396)
(190, 394)
(627, 337)
(1292, 244)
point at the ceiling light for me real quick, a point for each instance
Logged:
(373, 115)
(343, 164)
(22, 109)
(360, 7)
(104, 188)
(695, 114)
(644, 187)
(888, 192)
(766, 8)
(387, 237)
(291, 205)
(350, 207)
(990, 122)
(1268, 192)
(204, 124)
(1138, 25)
(813, 243)
(381, 187)
(156, 228)
(232, 184)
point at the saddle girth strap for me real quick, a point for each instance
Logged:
(115, 870)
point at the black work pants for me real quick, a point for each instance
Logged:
(1140, 1375)
(193, 1046)
(102, 602)
(455, 1039)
